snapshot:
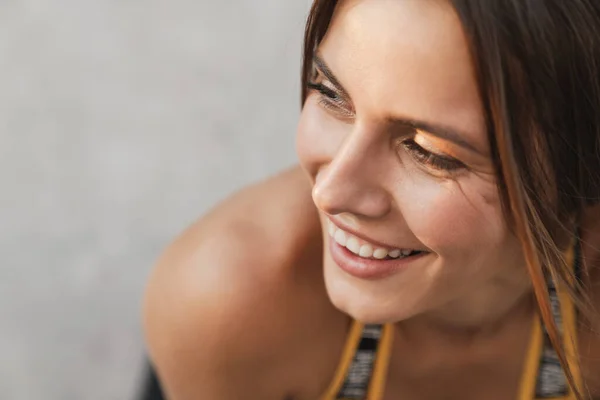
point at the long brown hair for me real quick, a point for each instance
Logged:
(538, 68)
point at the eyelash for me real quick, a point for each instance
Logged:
(436, 161)
(331, 100)
(334, 102)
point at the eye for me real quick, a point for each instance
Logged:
(432, 160)
(332, 100)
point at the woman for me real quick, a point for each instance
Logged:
(442, 246)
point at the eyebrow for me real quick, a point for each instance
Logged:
(440, 131)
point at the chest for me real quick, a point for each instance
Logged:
(486, 381)
(490, 370)
(417, 374)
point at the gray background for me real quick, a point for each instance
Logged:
(120, 123)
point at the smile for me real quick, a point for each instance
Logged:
(363, 248)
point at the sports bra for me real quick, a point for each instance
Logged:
(362, 370)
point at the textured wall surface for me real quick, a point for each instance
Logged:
(120, 123)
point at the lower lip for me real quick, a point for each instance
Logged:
(366, 268)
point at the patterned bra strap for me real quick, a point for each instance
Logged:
(551, 380)
(358, 378)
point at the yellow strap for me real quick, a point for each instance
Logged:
(347, 356)
(569, 322)
(380, 370)
(569, 318)
(531, 367)
(532, 362)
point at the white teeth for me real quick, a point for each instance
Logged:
(353, 245)
(340, 237)
(394, 253)
(366, 250)
(380, 254)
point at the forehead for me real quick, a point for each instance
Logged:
(407, 58)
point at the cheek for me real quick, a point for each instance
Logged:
(318, 137)
(455, 220)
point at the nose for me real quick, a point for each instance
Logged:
(354, 181)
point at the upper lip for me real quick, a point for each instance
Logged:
(346, 228)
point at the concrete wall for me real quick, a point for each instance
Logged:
(120, 123)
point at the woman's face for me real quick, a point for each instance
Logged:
(393, 136)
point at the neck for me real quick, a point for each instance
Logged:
(478, 317)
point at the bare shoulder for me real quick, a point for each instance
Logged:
(226, 308)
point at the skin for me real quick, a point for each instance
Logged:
(364, 178)
(248, 303)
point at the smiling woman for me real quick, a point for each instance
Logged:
(439, 240)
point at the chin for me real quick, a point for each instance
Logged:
(366, 303)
